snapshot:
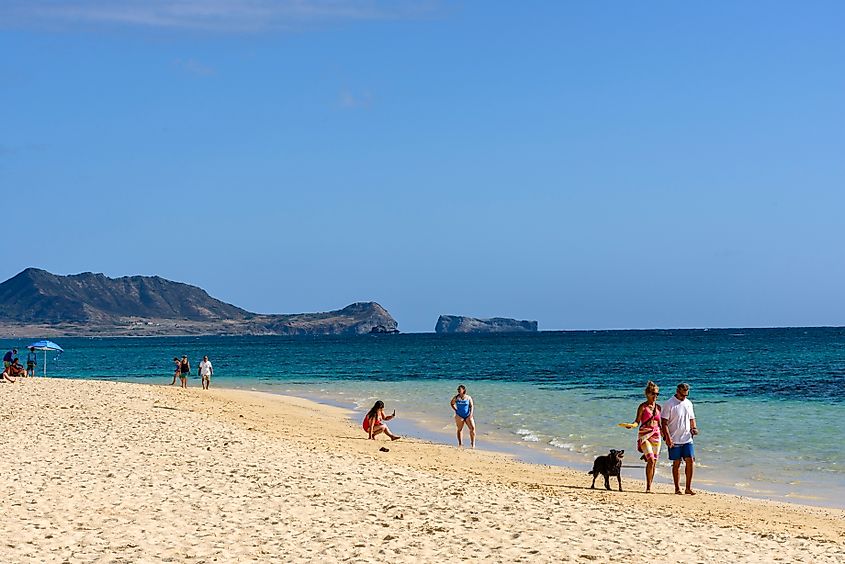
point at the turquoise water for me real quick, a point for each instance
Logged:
(769, 402)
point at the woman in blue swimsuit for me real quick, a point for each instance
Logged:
(463, 407)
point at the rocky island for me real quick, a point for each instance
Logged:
(36, 302)
(462, 324)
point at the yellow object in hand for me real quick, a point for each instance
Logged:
(628, 425)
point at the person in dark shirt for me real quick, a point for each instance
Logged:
(184, 370)
(7, 358)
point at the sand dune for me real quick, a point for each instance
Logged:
(110, 472)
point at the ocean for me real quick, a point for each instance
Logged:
(770, 403)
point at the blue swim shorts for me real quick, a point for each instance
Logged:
(678, 452)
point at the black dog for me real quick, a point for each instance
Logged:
(608, 465)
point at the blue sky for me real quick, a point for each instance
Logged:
(584, 164)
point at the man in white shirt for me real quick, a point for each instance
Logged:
(678, 422)
(206, 370)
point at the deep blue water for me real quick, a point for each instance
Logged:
(750, 363)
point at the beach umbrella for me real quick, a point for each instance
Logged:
(45, 346)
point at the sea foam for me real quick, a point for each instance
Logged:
(528, 435)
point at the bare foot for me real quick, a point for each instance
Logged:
(648, 491)
(678, 492)
(395, 438)
(689, 492)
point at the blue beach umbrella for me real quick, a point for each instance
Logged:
(45, 346)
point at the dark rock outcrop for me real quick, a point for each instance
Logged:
(355, 319)
(38, 302)
(462, 324)
(382, 330)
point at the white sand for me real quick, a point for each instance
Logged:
(110, 472)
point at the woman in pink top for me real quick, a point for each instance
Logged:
(374, 424)
(648, 437)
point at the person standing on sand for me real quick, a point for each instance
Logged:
(374, 422)
(678, 423)
(184, 370)
(648, 438)
(463, 407)
(31, 361)
(205, 371)
(178, 370)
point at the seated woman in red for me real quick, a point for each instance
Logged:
(374, 422)
(16, 369)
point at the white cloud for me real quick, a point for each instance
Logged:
(204, 15)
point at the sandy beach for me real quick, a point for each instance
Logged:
(95, 471)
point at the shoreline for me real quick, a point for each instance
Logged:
(423, 432)
(104, 469)
(423, 426)
(427, 426)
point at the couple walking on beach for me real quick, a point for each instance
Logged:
(183, 368)
(675, 423)
(462, 405)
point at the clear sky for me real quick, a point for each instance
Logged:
(585, 164)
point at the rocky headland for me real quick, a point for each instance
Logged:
(36, 302)
(463, 324)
